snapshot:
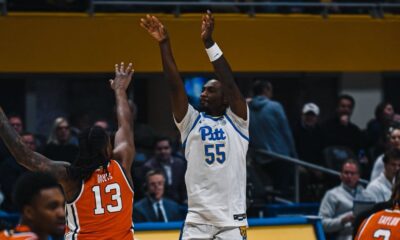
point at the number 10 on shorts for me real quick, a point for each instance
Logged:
(214, 152)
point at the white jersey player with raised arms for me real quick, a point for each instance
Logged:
(215, 139)
(215, 148)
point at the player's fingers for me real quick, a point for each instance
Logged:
(116, 69)
(129, 68)
(111, 82)
(122, 68)
(131, 73)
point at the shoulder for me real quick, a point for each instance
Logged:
(143, 203)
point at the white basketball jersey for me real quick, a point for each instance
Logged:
(215, 148)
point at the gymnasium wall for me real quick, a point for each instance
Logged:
(78, 43)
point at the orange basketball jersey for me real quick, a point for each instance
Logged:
(383, 225)
(19, 233)
(103, 209)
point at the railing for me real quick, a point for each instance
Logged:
(297, 163)
(377, 9)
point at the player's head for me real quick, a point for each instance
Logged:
(39, 198)
(155, 182)
(350, 173)
(212, 98)
(94, 151)
(391, 161)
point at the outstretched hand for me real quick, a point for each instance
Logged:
(123, 77)
(207, 26)
(154, 27)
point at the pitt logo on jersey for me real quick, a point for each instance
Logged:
(212, 135)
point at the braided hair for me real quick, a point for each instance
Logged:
(93, 143)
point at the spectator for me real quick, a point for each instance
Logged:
(309, 144)
(378, 127)
(61, 146)
(339, 130)
(40, 200)
(393, 141)
(269, 130)
(10, 171)
(337, 204)
(308, 135)
(173, 168)
(155, 207)
(381, 188)
(16, 122)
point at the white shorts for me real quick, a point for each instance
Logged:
(193, 231)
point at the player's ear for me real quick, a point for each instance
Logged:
(28, 212)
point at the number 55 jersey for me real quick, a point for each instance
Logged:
(103, 209)
(215, 148)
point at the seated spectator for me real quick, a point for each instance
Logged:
(10, 171)
(18, 125)
(378, 127)
(40, 200)
(339, 130)
(336, 207)
(61, 146)
(393, 141)
(173, 168)
(381, 188)
(155, 207)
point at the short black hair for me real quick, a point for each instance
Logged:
(160, 139)
(26, 133)
(29, 185)
(380, 108)
(347, 97)
(260, 85)
(392, 153)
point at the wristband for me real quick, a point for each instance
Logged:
(214, 52)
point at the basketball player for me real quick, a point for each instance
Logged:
(40, 201)
(97, 185)
(215, 141)
(385, 224)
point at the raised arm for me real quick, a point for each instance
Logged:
(28, 158)
(222, 68)
(178, 96)
(124, 148)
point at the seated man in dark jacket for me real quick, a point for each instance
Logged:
(154, 207)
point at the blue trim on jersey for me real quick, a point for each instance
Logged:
(237, 130)
(211, 117)
(75, 222)
(194, 125)
(181, 233)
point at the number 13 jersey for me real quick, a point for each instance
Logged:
(103, 209)
(215, 148)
